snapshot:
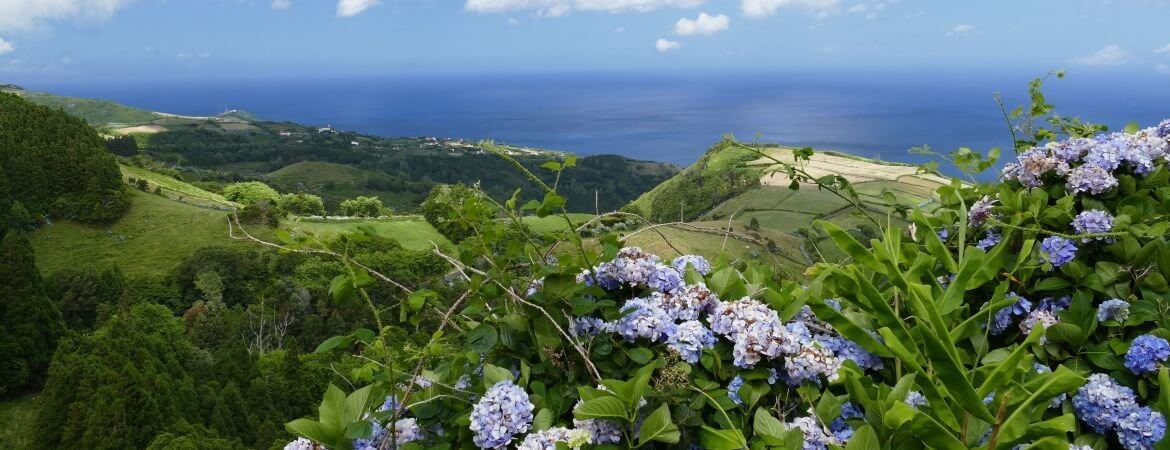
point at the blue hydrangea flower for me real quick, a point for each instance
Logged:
(846, 349)
(840, 427)
(1101, 402)
(943, 234)
(370, 443)
(589, 326)
(1003, 318)
(1031, 166)
(696, 262)
(810, 364)
(1145, 353)
(733, 389)
(980, 211)
(302, 444)
(664, 279)
(689, 339)
(1093, 221)
(1091, 179)
(815, 437)
(686, 302)
(990, 239)
(1072, 150)
(502, 413)
(1057, 250)
(915, 399)
(390, 404)
(549, 438)
(644, 320)
(1115, 310)
(601, 431)
(1140, 429)
(1106, 152)
(1163, 129)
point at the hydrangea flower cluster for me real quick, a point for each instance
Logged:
(915, 399)
(1058, 251)
(733, 390)
(839, 427)
(302, 444)
(644, 319)
(548, 439)
(1003, 318)
(1088, 165)
(601, 431)
(815, 436)
(1105, 405)
(1145, 352)
(696, 262)
(1093, 221)
(1116, 310)
(980, 211)
(502, 413)
(632, 268)
(689, 339)
(990, 239)
(1044, 315)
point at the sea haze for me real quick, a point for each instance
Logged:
(658, 117)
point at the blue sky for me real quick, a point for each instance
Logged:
(72, 40)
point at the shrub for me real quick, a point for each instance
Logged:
(302, 204)
(249, 192)
(364, 207)
(453, 208)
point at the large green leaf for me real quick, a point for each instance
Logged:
(864, 438)
(658, 427)
(849, 245)
(1062, 380)
(954, 376)
(602, 408)
(767, 426)
(315, 431)
(1010, 366)
(926, 428)
(714, 439)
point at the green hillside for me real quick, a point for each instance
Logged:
(313, 172)
(731, 185)
(93, 111)
(156, 233)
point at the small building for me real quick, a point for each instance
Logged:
(354, 143)
(285, 133)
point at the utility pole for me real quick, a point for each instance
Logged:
(596, 203)
(680, 209)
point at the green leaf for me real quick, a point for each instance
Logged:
(493, 374)
(341, 288)
(365, 335)
(864, 438)
(333, 342)
(658, 427)
(543, 420)
(767, 426)
(954, 377)
(602, 408)
(313, 430)
(1066, 332)
(359, 430)
(850, 246)
(713, 439)
(641, 355)
(481, 339)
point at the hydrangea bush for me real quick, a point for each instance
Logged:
(1028, 313)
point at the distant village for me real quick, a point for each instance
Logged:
(452, 145)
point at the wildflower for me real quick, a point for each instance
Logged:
(696, 262)
(1057, 250)
(733, 389)
(503, 412)
(1115, 310)
(1140, 429)
(980, 211)
(1101, 402)
(1093, 221)
(1145, 352)
(689, 339)
(1091, 179)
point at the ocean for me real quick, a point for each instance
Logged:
(660, 117)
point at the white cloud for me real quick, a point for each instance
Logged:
(24, 14)
(1165, 49)
(556, 8)
(764, 8)
(6, 47)
(513, 21)
(1108, 56)
(961, 30)
(664, 45)
(350, 8)
(704, 24)
(1162, 68)
(281, 5)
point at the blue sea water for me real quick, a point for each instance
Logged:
(662, 117)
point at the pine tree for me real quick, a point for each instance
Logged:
(29, 322)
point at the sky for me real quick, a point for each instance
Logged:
(94, 40)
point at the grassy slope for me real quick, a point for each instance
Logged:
(16, 419)
(93, 111)
(177, 190)
(415, 234)
(781, 212)
(316, 172)
(154, 235)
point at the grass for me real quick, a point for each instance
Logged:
(154, 235)
(93, 111)
(315, 172)
(415, 234)
(177, 190)
(708, 245)
(17, 415)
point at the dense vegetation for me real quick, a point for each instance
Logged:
(56, 164)
(717, 176)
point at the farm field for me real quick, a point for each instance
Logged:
(413, 233)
